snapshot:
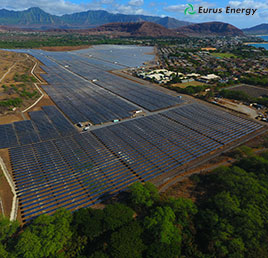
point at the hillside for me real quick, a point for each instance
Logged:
(145, 29)
(261, 29)
(210, 29)
(38, 19)
(33, 17)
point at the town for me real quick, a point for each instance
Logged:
(206, 67)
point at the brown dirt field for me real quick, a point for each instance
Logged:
(185, 189)
(10, 118)
(18, 82)
(24, 66)
(65, 48)
(5, 191)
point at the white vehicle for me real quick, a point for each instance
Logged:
(94, 80)
(138, 111)
(86, 128)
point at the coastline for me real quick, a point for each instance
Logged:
(248, 43)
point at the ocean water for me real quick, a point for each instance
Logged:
(262, 45)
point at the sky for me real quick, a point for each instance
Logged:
(171, 8)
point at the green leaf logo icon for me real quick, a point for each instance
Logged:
(189, 9)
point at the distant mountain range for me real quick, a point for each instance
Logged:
(261, 29)
(36, 18)
(102, 22)
(210, 29)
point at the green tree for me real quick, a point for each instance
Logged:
(127, 242)
(7, 228)
(117, 215)
(49, 232)
(29, 245)
(88, 222)
(143, 195)
(161, 225)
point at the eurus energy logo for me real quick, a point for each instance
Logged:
(228, 10)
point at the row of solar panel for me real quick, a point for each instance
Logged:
(65, 173)
(221, 126)
(79, 170)
(146, 97)
(83, 101)
(47, 124)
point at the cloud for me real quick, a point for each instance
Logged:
(181, 7)
(175, 8)
(127, 9)
(249, 4)
(136, 2)
(51, 6)
(66, 7)
(106, 1)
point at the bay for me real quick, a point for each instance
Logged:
(261, 44)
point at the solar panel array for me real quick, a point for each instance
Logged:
(144, 96)
(55, 166)
(7, 136)
(129, 56)
(70, 172)
(63, 126)
(26, 132)
(80, 170)
(102, 101)
(83, 101)
(47, 124)
(218, 125)
(45, 129)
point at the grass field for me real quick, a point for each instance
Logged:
(186, 84)
(224, 55)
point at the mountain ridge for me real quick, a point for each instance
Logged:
(150, 29)
(36, 18)
(210, 29)
(137, 29)
(257, 30)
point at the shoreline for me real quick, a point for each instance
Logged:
(248, 43)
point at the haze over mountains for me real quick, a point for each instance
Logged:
(35, 18)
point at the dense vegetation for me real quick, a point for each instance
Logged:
(229, 219)
(240, 95)
(259, 80)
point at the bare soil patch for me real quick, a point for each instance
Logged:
(65, 48)
(5, 191)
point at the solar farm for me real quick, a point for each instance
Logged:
(55, 165)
